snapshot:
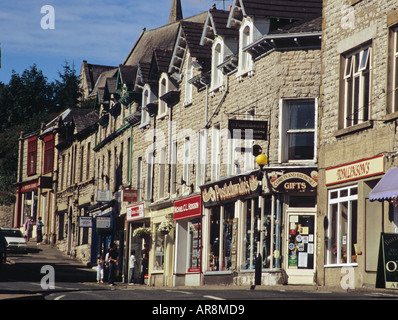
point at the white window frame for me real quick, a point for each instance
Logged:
(217, 76)
(186, 164)
(349, 198)
(202, 158)
(163, 89)
(139, 179)
(354, 80)
(283, 131)
(149, 176)
(162, 172)
(146, 99)
(188, 86)
(394, 88)
(215, 152)
(245, 64)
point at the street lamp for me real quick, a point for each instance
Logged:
(261, 160)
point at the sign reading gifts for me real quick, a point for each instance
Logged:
(188, 207)
(240, 187)
(135, 212)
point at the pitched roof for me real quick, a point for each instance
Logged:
(294, 9)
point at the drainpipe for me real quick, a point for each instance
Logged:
(219, 103)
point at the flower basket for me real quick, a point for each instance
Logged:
(142, 232)
(165, 227)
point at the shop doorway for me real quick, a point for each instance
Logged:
(299, 261)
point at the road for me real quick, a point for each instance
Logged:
(24, 275)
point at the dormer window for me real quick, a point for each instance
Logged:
(245, 59)
(145, 101)
(188, 85)
(162, 90)
(216, 73)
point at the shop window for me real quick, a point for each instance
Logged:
(342, 226)
(194, 245)
(298, 130)
(252, 234)
(32, 156)
(356, 86)
(159, 250)
(221, 238)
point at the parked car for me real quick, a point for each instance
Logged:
(15, 239)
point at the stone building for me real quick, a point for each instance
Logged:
(357, 138)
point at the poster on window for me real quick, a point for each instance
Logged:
(301, 242)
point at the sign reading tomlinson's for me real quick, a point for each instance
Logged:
(239, 187)
(355, 170)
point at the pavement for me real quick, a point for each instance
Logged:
(49, 253)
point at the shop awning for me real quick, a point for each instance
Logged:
(387, 187)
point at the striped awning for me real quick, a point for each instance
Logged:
(387, 187)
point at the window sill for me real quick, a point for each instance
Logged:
(390, 117)
(187, 103)
(353, 129)
(341, 265)
(217, 273)
(161, 116)
(144, 125)
(244, 73)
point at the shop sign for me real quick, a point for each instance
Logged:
(240, 187)
(104, 196)
(294, 180)
(355, 170)
(188, 207)
(85, 222)
(30, 186)
(103, 222)
(387, 268)
(135, 212)
(256, 129)
(130, 195)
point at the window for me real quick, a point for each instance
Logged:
(162, 91)
(48, 154)
(215, 153)
(251, 235)
(202, 154)
(149, 176)
(32, 156)
(356, 86)
(139, 177)
(188, 86)
(159, 249)
(216, 73)
(297, 141)
(81, 163)
(173, 175)
(162, 172)
(393, 69)
(187, 160)
(342, 228)
(88, 159)
(249, 142)
(245, 61)
(144, 112)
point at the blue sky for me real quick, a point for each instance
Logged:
(99, 31)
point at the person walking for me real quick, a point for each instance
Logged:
(132, 264)
(100, 269)
(144, 264)
(39, 231)
(112, 264)
(28, 228)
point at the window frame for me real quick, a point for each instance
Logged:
(146, 99)
(356, 85)
(217, 77)
(49, 147)
(284, 131)
(31, 165)
(163, 89)
(245, 64)
(350, 197)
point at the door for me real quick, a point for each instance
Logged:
(301, 244)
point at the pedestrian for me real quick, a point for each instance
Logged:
(132, 263)
(39, 231)
(144, 264)
(112, 264)
(3, 248)
(100, 269)
(28, 228)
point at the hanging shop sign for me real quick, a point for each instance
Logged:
(188, 207)
(387, 268)
(104, 196)
(135, 212)
(240, 187)
(103, 222)
(293, 180)
(355, 170)
(85, 222)
(250, 129)
(130, 195)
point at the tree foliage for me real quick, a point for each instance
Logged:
(27, 101)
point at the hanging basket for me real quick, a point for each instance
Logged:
(142, 232)
(165, 227)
